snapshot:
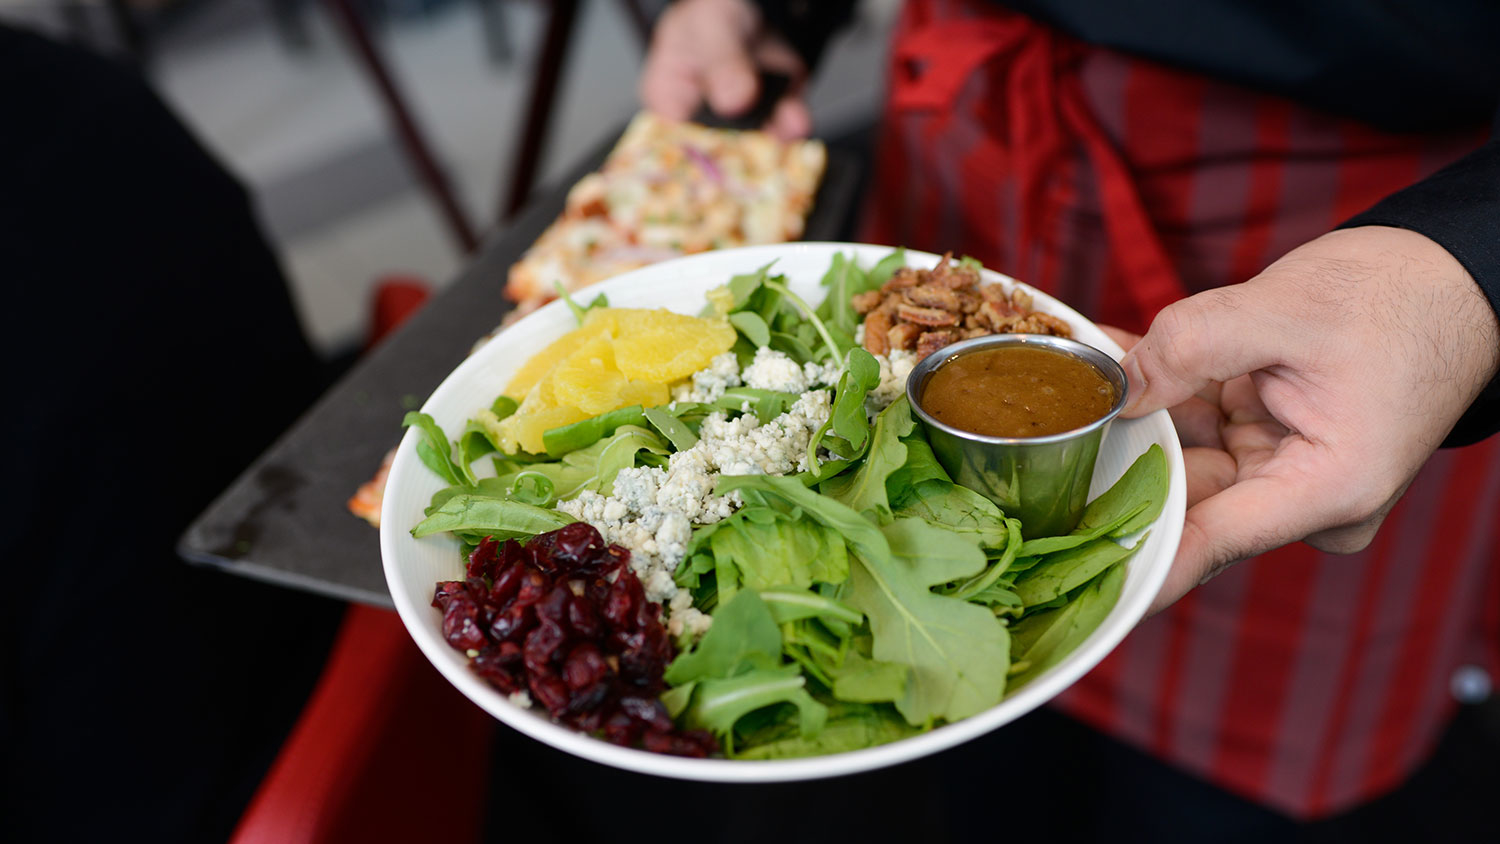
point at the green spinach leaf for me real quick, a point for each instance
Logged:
(1067, 570)
(493, 517)
(1145, 480)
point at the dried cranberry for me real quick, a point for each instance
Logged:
(512, 624)
(576, 547)
(694, 743)
(647, 613)
(550, 691)
(622, 729)
(615, 559)
(483, 558)
(646, 710)
(596, 590)
(447, 589)
(511, 553)
(539, 552)
(543, 647)
(624, 596)
(584, 620)
(507, 583)
(554, 607)
(534, 585)
(478, 588)
(493, 665)
(565, 618)
(585, 666)
(461, 623)
(590, 720)
(509, 655)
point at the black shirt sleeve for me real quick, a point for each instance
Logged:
(806, 24)
(1458, 208)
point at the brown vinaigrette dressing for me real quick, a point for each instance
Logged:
(1017, 391)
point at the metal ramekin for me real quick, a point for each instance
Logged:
(1043, 481)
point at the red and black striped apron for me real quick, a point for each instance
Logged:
(1306, 681)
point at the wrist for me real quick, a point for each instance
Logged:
(1441, 300)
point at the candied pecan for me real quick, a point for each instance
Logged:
(867, 301)
(972, 321)
(933, 296)
(963, 277)
(949, 275)
(931, 341)
(939, 273)
(925, 316)
(996, 293)
(997, 318)
(1021, 301)
(968, 301)
(1040, 323)
(877, 329)
(903, 278)
(904, 336)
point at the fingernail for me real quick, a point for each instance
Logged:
(1135, 388)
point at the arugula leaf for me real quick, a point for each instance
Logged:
(742, 287)
(736, 670)
(743, 632)
(767, 404)
(848, 415)
(958, 652)
(752, 327)
(865, 489)
(834, 350)
(674, 429)
(579, 312)
(957, 508)
(491, 516)
(719, 703)
(921, 465)
(434, 451)
(843, 279)
(884, 269)
(620, 452)
(863, 680)
(478, 438)
(862, 537)
(789, 603)
(779, 551)
(791, 345)
(847, 419)
(986, 579)
(849, 727)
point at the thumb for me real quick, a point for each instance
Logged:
(1214, 336)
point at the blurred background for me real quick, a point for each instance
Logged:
(278, 90)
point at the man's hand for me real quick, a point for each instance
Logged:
(711, 51)
(1308, 397)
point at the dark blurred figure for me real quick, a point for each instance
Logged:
(151, 351)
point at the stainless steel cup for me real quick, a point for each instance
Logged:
(1043, 481)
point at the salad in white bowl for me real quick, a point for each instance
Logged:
(721, 548)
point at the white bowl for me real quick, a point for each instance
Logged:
(413, 567)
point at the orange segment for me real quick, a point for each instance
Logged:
(617, 358)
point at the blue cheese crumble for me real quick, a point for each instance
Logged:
(652, 511)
